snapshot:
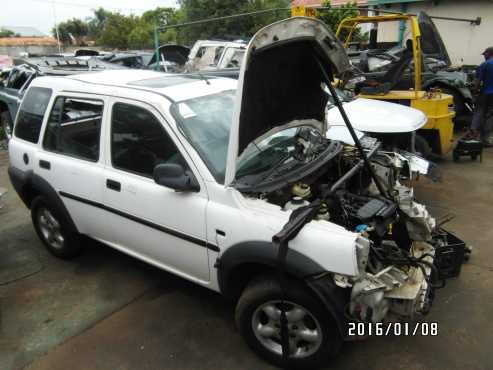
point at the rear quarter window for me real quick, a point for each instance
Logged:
(31, 112)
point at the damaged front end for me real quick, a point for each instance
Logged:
(398, 238)
(280, 153)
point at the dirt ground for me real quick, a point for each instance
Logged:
(105, 310)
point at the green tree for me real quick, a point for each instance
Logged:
(96, 23)
(333, 16)
(262, 20)
(72, 30)
(7, 33)
(142, 36)
(236, 27)
(116, 30)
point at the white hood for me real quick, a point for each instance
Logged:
(280, 80)
(376, 116)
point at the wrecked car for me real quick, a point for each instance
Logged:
(14, 81)
(394, 125)
(172, 58)
(235, 186)
(212, 55)
(377, 59)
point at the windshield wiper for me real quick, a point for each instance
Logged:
(274, 168)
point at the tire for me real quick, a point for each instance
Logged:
(6, 124)
(261, 330)
(422, 146)
(459, 101)
(53, 231)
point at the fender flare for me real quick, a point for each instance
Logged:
(28, 185)
(298, 265)
(262, 253)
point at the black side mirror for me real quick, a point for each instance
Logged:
(174, 176)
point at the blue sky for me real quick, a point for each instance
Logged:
(39, 13)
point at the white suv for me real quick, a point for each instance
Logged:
(197, 175)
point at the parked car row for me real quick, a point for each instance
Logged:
(15, 80)
(257, 187)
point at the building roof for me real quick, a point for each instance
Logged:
(24, 31)
(22, 41)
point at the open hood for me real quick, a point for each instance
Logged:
(432, 44)
(280, 80)
(369, 115)
(172, 53)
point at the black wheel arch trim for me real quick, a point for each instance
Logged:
(299, 266)
(262, 253)
(334, 299)
(27, 184)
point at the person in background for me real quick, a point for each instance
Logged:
(484, 102)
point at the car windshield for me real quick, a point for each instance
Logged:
(206, 122)
(265, 154)
(278, 152)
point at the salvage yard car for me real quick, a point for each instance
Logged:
(15, 80)
(234, 186)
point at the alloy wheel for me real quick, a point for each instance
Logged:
(305, 333)
(50, 228)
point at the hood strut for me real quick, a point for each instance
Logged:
(301, 216)
(355, 138)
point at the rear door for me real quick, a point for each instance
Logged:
(72, 157)
(153, 222)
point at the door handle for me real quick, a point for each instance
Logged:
(113, 185)
(44, 164)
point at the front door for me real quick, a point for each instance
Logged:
(155, 223)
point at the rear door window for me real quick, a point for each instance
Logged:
(31, 114)
(74, 127)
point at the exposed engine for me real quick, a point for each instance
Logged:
(397, 249)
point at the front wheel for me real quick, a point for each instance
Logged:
(313, 333)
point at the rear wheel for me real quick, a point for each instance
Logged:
(52, 229)
(423, 147)
(313, 333)
(6, 124)
(459, 101)
(455, 157)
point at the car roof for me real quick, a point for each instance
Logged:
(175, 87)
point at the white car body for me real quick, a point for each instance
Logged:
(211, 229)
(195, 215)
